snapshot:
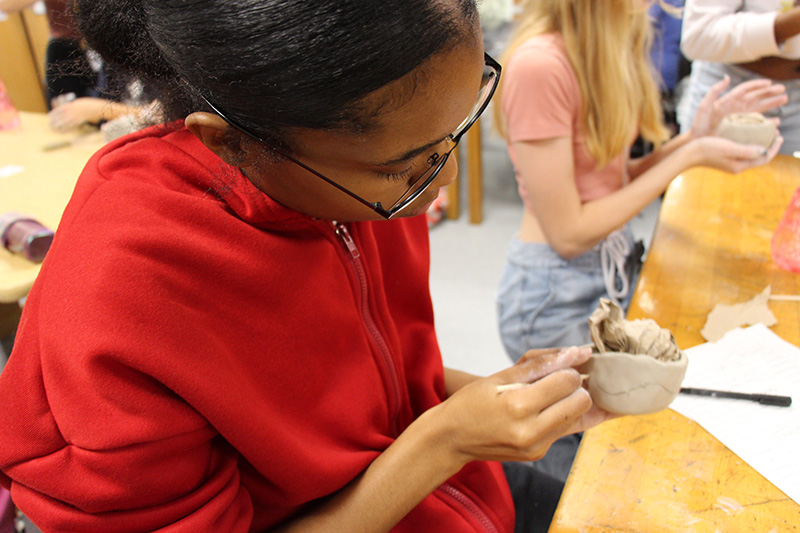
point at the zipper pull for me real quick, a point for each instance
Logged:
(342, 231)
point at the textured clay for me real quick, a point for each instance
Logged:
(748, 128)
(637, 367)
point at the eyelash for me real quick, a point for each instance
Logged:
(397, 176)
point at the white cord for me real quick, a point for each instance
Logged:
(614, 252)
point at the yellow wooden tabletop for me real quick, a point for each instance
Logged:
(663, 472)
(41, 189)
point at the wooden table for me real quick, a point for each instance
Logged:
(663, 472)
(474, 177)
(41, 189)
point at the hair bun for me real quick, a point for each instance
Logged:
(118, 31)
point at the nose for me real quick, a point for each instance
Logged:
(449, 171)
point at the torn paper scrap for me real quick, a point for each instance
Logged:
(9, 170)
(724, 318)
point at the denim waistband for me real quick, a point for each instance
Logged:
(542, 255)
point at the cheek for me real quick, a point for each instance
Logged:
(302, 191)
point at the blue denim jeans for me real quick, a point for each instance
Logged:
(545, 301)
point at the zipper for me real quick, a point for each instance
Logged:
(466, 503)
(383, 348)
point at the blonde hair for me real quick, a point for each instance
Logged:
(607, 43)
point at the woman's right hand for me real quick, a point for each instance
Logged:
(730, 156)
(520, 424)
(753, 96)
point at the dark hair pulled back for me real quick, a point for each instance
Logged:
(273, 65)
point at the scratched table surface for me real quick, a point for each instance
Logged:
(664, 472)
(38, 183)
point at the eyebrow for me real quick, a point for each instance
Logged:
(411, 154)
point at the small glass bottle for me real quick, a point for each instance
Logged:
(786, 239)
(9, 117)
(25, 236)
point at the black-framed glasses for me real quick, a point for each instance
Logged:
(489, 81)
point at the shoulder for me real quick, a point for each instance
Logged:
(540, 70)
(154, 147)
(539, 73)
(542, 54)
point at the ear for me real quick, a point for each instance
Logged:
(215, 133)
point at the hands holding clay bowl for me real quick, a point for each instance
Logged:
(637, 367)
(736, 116)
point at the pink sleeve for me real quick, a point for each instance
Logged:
(540, 97)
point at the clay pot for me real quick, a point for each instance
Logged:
(633, 384)
(748, 128)
(637, 367)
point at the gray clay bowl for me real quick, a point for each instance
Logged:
(629, 384)
(748, 128)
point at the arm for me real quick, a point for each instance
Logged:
(751, 96)
(572, 227)
(636, 167)
(87, 110)
(569, 226)
(787, 25)
(714, 31)
(455, 380)
(476, 423)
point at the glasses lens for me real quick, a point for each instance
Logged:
(420, 184)
(491, 76)
(488, 83)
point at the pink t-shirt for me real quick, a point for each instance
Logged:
(542, 100)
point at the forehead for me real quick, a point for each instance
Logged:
(443, 82)
(425, 105)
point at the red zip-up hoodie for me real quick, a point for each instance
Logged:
(195, 357)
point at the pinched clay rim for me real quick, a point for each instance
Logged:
(748, 128)
(629, 384)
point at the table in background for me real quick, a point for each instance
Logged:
(474, 175)
(663, 472)
(41, 190)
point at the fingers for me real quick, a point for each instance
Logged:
(753, 96)
(546, 410)
(760, 155)
(60, 120)
(768, 104)
(775, 147)
(538, 363)
(719, 87)
(532, 398)
(590, 419)
(531, 354)
(742, 157)
(754, 85)
(557, 400)
(754, 102)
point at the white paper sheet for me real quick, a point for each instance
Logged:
(752, 360)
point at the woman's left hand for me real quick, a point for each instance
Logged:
(754, 96)
(78, 112)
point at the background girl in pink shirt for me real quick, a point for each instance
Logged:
(578, 88)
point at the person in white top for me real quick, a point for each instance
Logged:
(743, 39)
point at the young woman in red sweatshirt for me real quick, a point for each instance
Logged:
(233, 331)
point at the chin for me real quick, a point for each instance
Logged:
(419, 208)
